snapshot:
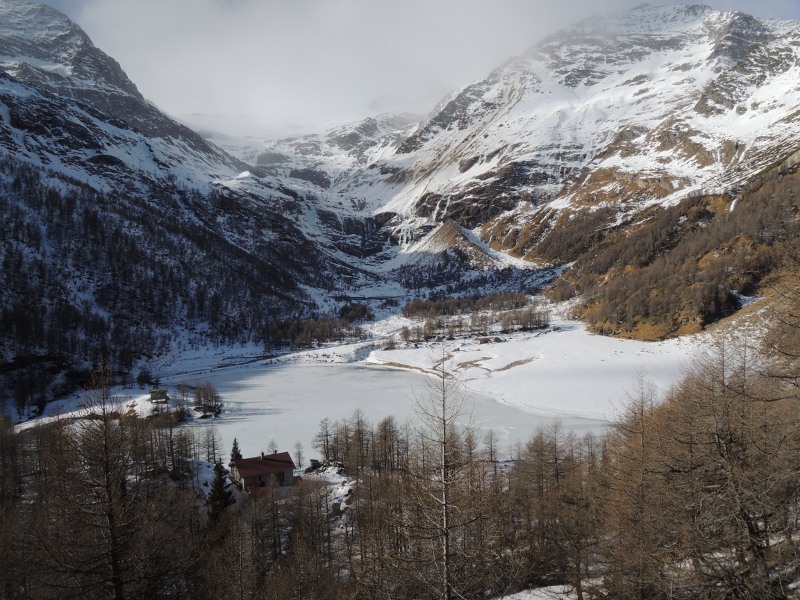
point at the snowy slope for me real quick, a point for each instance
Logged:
(72, 139)
(66, 105)
(625, 110)
(649, 106)
(122, 228)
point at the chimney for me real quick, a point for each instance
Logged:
(262, 455)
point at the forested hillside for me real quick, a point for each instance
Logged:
(645, 164)
(90, 275)
(672, 271)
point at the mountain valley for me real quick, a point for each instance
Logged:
(654, 151)
(545, 337)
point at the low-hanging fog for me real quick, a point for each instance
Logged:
(280, 63)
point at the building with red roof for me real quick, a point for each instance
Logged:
(267, 469)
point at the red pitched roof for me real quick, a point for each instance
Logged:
(264, 464)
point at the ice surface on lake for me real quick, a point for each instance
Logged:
(286, 404)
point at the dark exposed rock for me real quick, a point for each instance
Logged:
(427, 204)
(319, 178)
(358, 237)
(495, 192)
(467, 163)
(383, 218)
(267, 159)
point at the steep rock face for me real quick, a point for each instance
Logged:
(80, 141)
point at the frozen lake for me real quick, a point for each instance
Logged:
(515, 386)
(285, 403)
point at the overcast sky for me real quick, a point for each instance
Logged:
(287, 62)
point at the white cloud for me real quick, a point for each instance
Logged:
(295, 60)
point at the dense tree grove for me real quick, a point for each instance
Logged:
(696, 495)
(453, 317)
(437, 307)
(304, 333)
(93, 509)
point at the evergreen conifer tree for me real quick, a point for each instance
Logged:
(236, 454)
(218, 498)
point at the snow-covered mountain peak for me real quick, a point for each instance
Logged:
(72, 109)
(641, 20)
(40, 45)
(604, 45)
(631, 109)
(37, 29)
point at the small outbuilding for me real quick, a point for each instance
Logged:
(260, 471)
(488, 340)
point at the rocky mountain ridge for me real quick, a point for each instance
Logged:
(124, 232)
(632, 110)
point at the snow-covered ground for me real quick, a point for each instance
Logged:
(527, 380)
(562, 371)
(548, 593)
